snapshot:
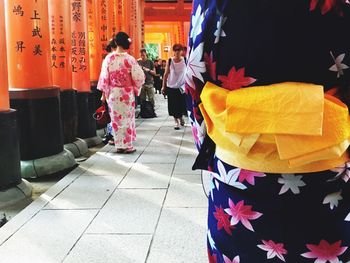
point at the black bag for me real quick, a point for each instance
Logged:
(147, 110)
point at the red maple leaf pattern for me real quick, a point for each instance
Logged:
(223, 220)
(325, 251)
(241, 213)
(235, 79)
(212, 258)
(210, 64)
(249, 176)
(328, 5)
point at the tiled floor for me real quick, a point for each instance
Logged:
(144, 207)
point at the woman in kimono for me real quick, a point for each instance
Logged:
(267, 87)
(120, 79)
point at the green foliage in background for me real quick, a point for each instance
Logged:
(152, 51)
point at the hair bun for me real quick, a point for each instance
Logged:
(122, 39)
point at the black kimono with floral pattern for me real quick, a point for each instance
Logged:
(256, 217)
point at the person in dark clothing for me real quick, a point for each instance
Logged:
(156, 77)
(147, 90)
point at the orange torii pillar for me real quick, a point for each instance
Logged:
(95, 52)
(112, 18)
(142, 22)
(95, 49)
(120, 15)
(60, 39)
(80, 72)
(102, 16)
(127, 23)
(31, 90)
(10, 167)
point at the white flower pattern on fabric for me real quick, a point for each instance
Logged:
(195, 66)
(343, 171)
(211, 240)
(291, 182)
(219, 31)
(197, 20)
(230, 177)
(333, 199)
(338, 65)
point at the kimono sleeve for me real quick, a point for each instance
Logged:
(137, 75)
(103, 81)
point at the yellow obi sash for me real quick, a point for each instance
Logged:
(281, 128)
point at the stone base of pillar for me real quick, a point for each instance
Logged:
(69, 115)
(86, 109)
(78, 148)
(47, 165)
(39, 119)
(15, 194)
(101, 132)
(93, 141)
(10, 170)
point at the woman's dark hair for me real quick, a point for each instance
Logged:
(122, 39)
(177, 47)
(111, 45)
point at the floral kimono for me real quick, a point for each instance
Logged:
(120, 79)
(260, 216)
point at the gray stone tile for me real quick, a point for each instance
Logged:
(185, 192)
(111, 165)
(148, 176)
(124, 159)
(97, 248)
(188, 147)
(27, 213)
(184, 163)
(159, 155)
(180, 236)
(129, 211)
(169, 131)
(87, 191)
(46, 238)
(166, 141)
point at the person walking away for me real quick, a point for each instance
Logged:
(268, 85)
(174, 84)
(147, 90)
(162, 71)
(108, 138)
(121, 77)
(156, 77)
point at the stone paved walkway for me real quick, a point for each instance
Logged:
(143, 207)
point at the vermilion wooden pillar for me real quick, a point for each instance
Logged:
(80, 69)
(127, 17)
(10, 174)
(142, 22)
(112, 17)
(95, 52)
(120, 15)
(102, 17)
(30, 79)
(4, 92)
(60, 40)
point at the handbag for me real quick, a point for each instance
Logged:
(101, 115)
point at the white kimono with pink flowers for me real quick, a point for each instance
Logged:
(120, 79)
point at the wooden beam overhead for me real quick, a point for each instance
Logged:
(168, 10)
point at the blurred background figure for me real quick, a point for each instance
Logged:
(174, 86)
(157, 77)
